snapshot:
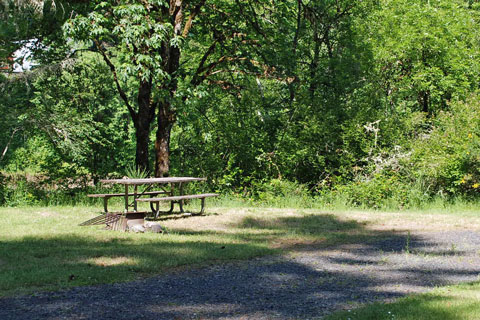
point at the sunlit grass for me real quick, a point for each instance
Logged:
(45, 249)
(446, 303)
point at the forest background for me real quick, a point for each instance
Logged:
(368, 103)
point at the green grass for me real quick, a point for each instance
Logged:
(447, 303)
(45, 249)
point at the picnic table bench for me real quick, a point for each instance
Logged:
(107, 196)
(180, 199)
(118, 220)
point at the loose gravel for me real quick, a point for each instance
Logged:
(305, 284)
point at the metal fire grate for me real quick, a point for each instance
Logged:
(112, 221)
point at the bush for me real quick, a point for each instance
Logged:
(441, 161)
(283, 193)
(447, 157)
(382, 191)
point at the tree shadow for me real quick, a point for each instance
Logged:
(72, 260)
(353, 265)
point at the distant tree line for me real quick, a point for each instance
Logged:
(372, 99)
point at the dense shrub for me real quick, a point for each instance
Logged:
(447, 157)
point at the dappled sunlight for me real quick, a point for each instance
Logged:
(323, 256)
(219, 308)
(58, 261)
(111, 261)
(95, 256)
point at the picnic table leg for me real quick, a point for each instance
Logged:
(172, 203)
(203, 206)
(105, 205)
(154, 206)
(180, 203)
(135, 198)
(126, 198)
(156, 210)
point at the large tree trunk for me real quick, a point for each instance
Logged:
(142, 121)
(166, 114)
(142, 133)
(166, 119)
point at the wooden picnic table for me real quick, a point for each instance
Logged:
(149, 183)
(164, 191)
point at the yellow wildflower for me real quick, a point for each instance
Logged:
(470, 135)
(475, 185)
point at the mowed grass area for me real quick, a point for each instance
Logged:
(448, 303)
(45, 249)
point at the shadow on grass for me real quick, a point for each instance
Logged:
(310, 232)
(181, 216)
(39, 263)
(305, 286)
(53, 262)
(305, 225)
(300, 233)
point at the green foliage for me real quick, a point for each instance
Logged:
(281, 193)
(425, 52)
(136, 172)
(36, 156)
(447, 157)
(128, 25)
(78, 113)
(384, 191)
(442, 161)
(367, 103)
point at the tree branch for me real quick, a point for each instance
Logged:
(194, 13)
(177, 15)
(195, 79)
(8, 143)
(124, 97)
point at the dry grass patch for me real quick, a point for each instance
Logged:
(415, 221)
(111, 261)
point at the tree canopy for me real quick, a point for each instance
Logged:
(340, 96)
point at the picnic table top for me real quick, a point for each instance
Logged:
(129, 181)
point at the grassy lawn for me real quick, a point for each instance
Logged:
(447, 303)
(45, 249)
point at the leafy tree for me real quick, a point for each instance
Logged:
(38, 24)
(141, 43)
(166, 50)
(426, 53)
(76, 108)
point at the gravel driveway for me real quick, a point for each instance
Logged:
(302, 285)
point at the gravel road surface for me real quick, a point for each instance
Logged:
(305, 284)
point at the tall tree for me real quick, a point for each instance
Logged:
(143, 43)
(426, 52)
(140, 42)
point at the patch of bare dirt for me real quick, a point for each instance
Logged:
(47, 214)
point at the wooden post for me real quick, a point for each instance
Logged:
(172, 193)
(203, 205)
